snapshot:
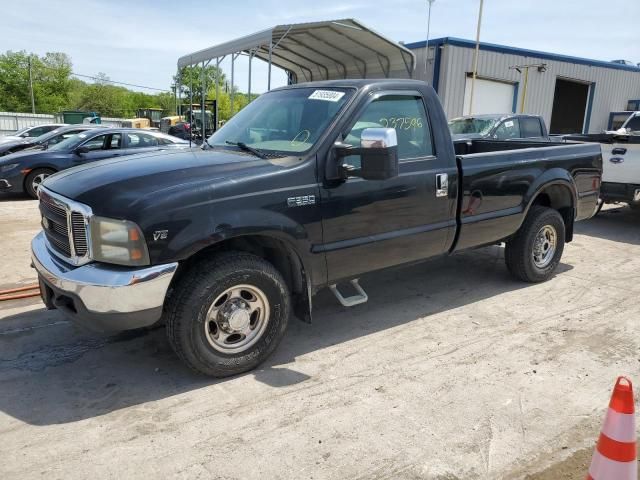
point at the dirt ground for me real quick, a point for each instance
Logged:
(452, 370)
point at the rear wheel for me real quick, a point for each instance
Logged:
(35, 179)
(533, 254)
(228, 314)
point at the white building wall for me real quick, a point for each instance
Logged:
(613, 87)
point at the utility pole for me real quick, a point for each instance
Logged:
(426, 55)
(33, 100)
(475, 59)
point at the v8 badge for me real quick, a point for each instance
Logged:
(160, 235)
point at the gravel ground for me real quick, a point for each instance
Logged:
(452, 370)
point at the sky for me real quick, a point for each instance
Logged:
(140, 41)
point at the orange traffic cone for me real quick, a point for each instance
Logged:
(615, 454)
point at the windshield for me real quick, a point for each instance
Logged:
(481, 126)
(69, 143)
(283, 122)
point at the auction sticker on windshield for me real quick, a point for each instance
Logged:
(326, 95)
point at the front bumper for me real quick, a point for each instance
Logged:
(102, 297)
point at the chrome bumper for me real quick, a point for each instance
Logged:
(104, 290)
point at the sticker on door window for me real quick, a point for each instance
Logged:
(326, 95)
(508, 124)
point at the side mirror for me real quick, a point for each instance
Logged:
(378, 156)
(378, 153)
(81, 150)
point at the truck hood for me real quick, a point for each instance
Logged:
(118, 184)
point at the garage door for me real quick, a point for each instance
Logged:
(489, 96)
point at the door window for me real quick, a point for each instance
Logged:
(634, 124)
(141, 140)
(406, 114)
(530, 127)
(36, 132)
(508, 129)
(111, 141)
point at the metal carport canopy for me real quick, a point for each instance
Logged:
(317, 51)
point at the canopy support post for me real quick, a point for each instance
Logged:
(270, 52)
(217, 91)
(191, 106)
(203, 81)
(249, 87)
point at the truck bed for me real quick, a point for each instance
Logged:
(499, 178)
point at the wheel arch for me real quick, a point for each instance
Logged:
(277, 251)
(557, 192)
(39, 167)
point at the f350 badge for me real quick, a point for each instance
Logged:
(160, 235)
(301, 201)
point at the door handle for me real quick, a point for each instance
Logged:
(619, 151)
(442, 185)
(616, 159)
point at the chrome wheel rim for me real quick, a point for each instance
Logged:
(37, 181)
(237, 318)
(544, 246)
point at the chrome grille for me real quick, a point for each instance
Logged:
(79, 233)
(65, 226)
(54, 223)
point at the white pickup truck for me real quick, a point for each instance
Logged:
(620, 162)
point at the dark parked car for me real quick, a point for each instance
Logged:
(181, 130)
(25, 171)
(33, 131)
(498, 126)
(43, 141)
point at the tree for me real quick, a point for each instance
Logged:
(55, 89)
(52, 81)
(50, 74)
(193, 76)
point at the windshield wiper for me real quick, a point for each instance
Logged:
(247, 148)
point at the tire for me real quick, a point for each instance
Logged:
(533, 254)
(36, 177)
(208, 311)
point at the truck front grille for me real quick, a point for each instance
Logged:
(79, 233)
(65, 225)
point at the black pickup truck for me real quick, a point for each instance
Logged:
(308, 187)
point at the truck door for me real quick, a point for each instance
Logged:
(372, 224)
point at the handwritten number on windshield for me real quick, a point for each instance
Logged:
(401, 123)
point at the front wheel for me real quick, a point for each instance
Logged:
(35, 179)
(228, 314)
(533, 254)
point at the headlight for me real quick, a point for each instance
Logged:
(6, 168)
(118, 241)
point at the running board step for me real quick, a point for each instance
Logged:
(353, 300)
